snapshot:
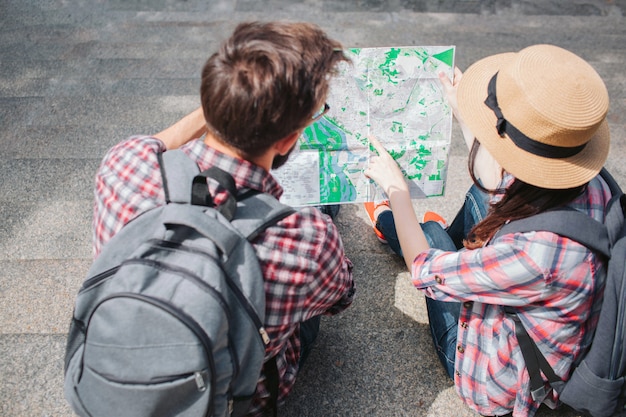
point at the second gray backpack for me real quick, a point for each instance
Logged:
(169, 321)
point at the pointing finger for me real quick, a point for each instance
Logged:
(377, 145)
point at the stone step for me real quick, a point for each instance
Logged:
(76, 77)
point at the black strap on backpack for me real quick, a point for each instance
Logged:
(534, 359)
(200, 195)
(588, 232)
(273, 382)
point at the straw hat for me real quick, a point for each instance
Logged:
(552, 130)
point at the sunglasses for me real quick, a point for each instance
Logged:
(319, 114)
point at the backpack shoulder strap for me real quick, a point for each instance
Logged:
(251, 211)
(578, 226)
(613, 185)
(178, 172)
(574, 225)
(602, 238)
(184, 183)
(256, 211)
(534, 360)
(565, 222)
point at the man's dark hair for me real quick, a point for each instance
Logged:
(266, 81)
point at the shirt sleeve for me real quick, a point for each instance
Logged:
(127, 182)
(306, 270)
(335, 293)
(516, 269)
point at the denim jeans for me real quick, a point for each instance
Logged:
(443, 317)
(474, 209)
(330, 209)
(309, 330)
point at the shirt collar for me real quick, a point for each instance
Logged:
(245, 173)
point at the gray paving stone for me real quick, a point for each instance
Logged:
(32, 375)
(57, 229)
(372, 374)
(67, 142)
(38, 295)
(47, 180)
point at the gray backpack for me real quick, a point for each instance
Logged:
(597, 385)
(169, 321)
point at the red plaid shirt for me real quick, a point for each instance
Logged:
(302, 257)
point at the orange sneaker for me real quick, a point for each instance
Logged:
(370, 208)
(431, 216)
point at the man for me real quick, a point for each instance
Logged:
(267, 82)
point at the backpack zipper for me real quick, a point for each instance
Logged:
(246, 305)
(202, 284)
(172, 245)
(93, 281)
(198, 378)
(233, 286)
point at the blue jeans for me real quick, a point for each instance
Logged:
(474, 209)
(443, 317)
(309, 330)
(330, 209)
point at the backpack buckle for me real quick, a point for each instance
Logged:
(539, 394)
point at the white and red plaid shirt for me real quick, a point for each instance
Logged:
(302, 257)
(556, 286)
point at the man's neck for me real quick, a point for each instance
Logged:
(264, 161)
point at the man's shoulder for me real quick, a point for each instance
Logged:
(306, 227)
(126, 186)
(137, 143)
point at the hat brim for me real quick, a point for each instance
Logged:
(536, 170)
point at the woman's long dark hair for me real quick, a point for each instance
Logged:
(520, 200)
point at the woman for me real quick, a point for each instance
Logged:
(535, 121)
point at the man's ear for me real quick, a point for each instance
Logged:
(284, 145)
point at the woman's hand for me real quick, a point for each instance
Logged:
(384, 170)
(450, 88)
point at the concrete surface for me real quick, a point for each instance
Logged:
(77, 76)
